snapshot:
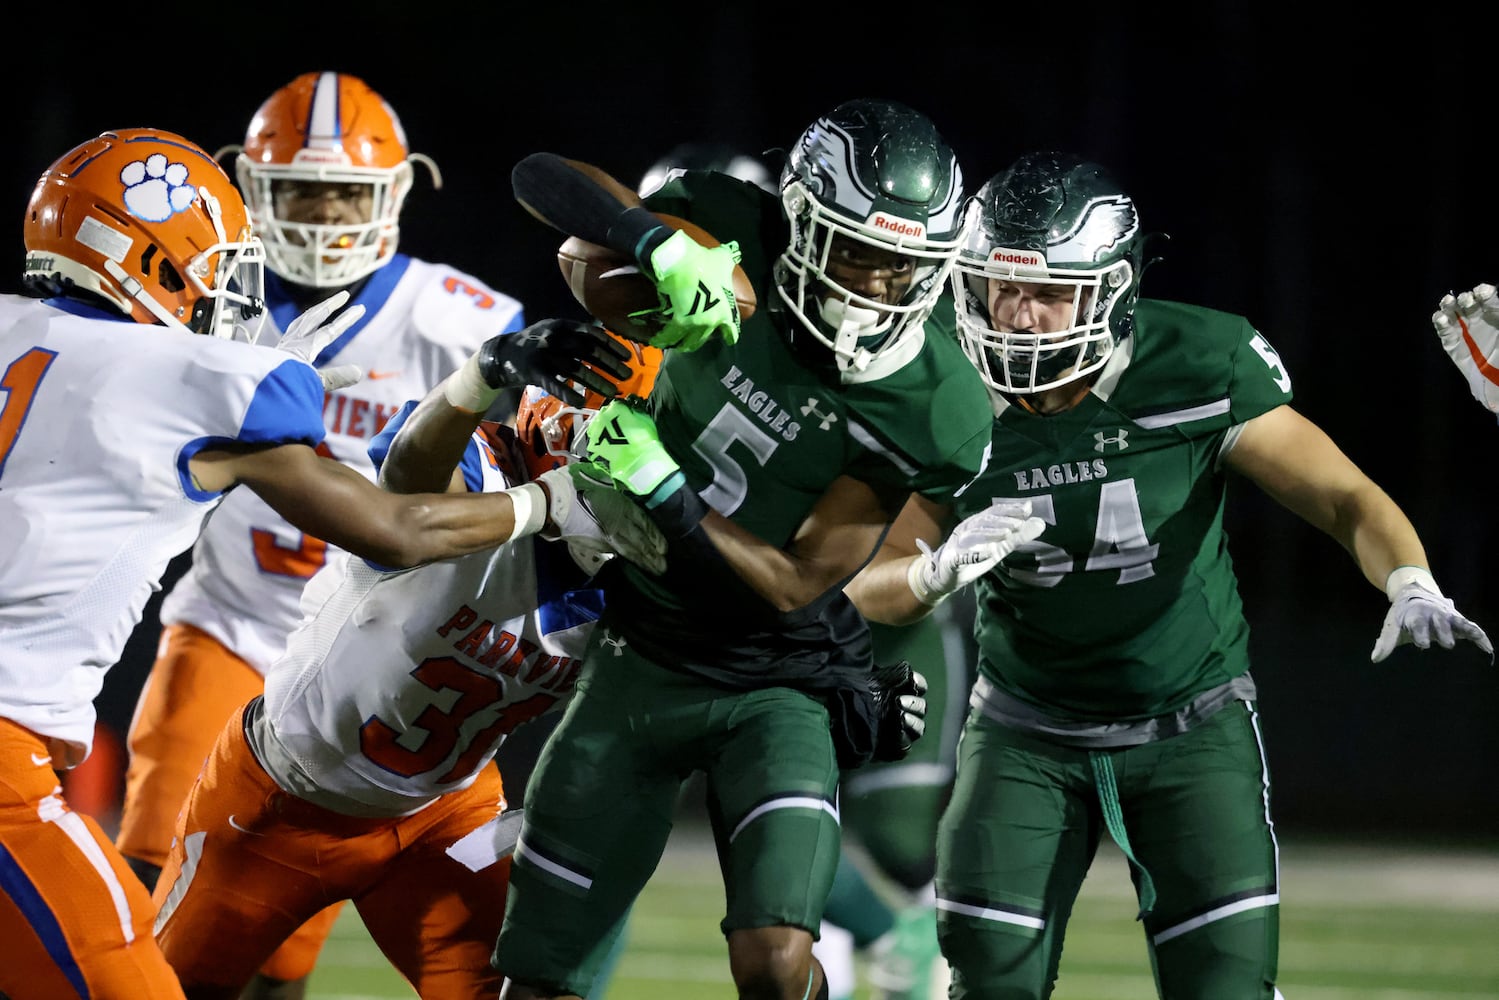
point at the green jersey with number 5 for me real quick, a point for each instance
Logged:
(1127, 606)
(762, 427)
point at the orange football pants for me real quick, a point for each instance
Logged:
(250, 863)
(195, 685)
(74, 919)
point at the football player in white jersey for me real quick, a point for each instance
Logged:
(324, 170)
(127, 415)
(364, 772)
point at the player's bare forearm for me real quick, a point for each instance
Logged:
(425, 452)
(880, 591)
(1297, 464)
(1381, 538)
(837, 537)
(333, 502)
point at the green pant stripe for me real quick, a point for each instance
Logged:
(1259, 740)
(989, 913)
(787, 802)
(526, 856)
(1228, 910)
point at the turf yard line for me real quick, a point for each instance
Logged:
(1303, 992)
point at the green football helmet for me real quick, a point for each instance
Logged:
(719, 157)
(1049, 218)
(878, 173)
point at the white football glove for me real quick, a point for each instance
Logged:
(1468, 325)
(598, 521)
(310, 332)
(978, 544)
(1420, 614)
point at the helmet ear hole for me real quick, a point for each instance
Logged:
(166, 274)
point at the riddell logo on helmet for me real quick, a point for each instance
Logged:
(901, 227)
(1025, 258)
(312, 154)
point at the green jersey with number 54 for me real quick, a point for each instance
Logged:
(1127, 606)
(762, 427)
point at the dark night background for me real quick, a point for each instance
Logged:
(1330, 183)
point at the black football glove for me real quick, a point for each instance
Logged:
(900, 703)
(553, 354)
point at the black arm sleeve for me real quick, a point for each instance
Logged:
(574, 203)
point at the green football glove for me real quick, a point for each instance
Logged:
(696, 287)
(622, 441)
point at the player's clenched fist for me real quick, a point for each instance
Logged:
(696, 285)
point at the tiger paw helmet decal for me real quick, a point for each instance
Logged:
(156, 188)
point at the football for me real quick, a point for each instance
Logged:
(611, 286)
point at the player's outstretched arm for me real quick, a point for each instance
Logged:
(1468, 327)
(333, 502)
(553, 353)
(908, 577)
(1298, 465)
(841, 531)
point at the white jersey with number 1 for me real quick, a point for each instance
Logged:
(99, 417)
(421, 322)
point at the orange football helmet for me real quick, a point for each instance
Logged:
(322, 131)
(149, 222)
(546, 426)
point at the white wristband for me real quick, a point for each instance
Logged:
(918, 585)
(466, 389)
(529, 503)
(1403, 576)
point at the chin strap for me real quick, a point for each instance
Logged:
(133, 288)
(873, 367)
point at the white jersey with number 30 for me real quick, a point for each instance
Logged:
(399, 686)
(421, 322)
(98, 420)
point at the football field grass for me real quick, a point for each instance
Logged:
(1358, 922)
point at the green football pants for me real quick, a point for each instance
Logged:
(601, 801)
(1191, 811)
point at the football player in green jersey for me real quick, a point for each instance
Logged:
(1468, 327)
(889, 809)
(1114, 693)
(775, 457)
